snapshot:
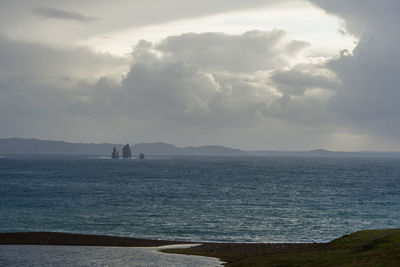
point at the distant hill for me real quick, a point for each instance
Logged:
(326, 153)
(155, 148)
(163, 148)
(311, 153)
(37, 146)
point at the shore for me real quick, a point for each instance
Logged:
(362, 248)
(66, 239)
(370, 248)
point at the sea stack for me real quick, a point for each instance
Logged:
(141, 156)
(126, 152)
(114, 154)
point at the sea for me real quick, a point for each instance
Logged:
(200, 198)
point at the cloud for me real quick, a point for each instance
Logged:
(248, 52)
(41, 87)
(55, 13)
(26, 60)
(200, 88)
(209, 79)
(218, 80)
(369, 85)
(112, 17)
(168, 85)
(240, 86)
(303, 77)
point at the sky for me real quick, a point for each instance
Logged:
(254, 75)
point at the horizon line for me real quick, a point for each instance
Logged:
(199, 146)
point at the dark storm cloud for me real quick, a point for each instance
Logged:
(367, 97)
(55, 13)
(41, 87)
(302, 77)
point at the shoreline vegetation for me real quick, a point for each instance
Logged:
(367, 248)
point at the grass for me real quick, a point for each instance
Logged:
(363, 248)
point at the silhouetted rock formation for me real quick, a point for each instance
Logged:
(141, 156)
(114, 154)
(126, 152)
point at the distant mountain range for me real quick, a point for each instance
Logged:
(163, 148)
(37, 146)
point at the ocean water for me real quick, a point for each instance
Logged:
(252, 199)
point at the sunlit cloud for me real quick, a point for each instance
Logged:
(299, 19)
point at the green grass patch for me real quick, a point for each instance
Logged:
(362, 248)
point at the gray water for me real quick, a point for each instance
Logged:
(48, 256)
(254, 199)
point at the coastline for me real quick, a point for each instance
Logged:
(71, 239)
(68, 239)
(371, 247)
(362, 248)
